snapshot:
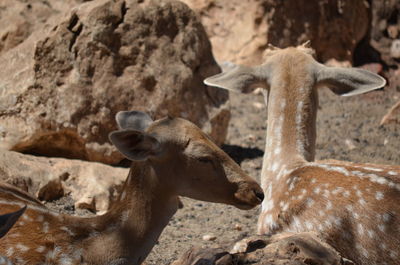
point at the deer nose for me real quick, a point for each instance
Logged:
(259, 195)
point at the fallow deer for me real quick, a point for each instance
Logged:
(171, 157)
(6, 222)
(354, 207)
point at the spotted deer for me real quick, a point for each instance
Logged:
(6, 222)
(171, 157)
(354, 207)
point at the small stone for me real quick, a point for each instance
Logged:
(258, 105)
(209, 237)
(393, 31)
(238, 227)
(350, 145)
(395, 49)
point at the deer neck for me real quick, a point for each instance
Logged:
(136, 219)
(291, 131)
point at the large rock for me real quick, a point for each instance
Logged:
(60, 89)
(289, 249)
(91, 185)
(20, 18)
(240, 30)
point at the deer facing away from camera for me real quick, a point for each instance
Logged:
(171, 157)
(354, 207)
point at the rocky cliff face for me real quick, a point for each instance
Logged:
(240, 30)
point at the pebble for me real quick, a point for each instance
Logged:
(209, 237)
(395, 49)
(238, 227)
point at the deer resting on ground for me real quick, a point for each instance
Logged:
(354, 207)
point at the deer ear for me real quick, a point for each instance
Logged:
(8, 220)
(238, 78)
(348, 81)
(135, 145)
(135, 120)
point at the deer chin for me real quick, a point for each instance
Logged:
(248, 196)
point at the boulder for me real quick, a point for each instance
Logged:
(289, 249)
(91, 185)
(61, 88)
(20, 18)
(240, 30)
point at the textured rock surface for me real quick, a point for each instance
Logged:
(20, 18)
(334, 27)
(295, 249)
(91, 185)
(61, 88)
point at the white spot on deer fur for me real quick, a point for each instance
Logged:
(359, 193)
(21, 223)
(10, 251)
(356, 215)
(313, 180)
(346, 193)
(40, 249)
(379, 195)
(349, 207)
(393, 254)
(371, 233)
(317, 190)
(26, 218)
(326, 193)
(392, 173)
(381, 227)
(337, 220)
(309, 225)
(321, 213)
(386, 217)
(360, 229)
(45, 227)
(337, 190)
(291, 186)
(383, 246)
(297, 224)
(309, 202)
(362, 202)
(328, 223)
(21, 247)
(64, 260)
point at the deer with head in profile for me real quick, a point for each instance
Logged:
(354, 207)
(171, 157)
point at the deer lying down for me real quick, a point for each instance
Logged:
(171, 157)
(354, 207)
(6, 222)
